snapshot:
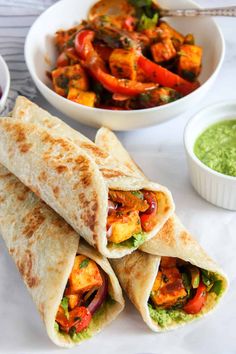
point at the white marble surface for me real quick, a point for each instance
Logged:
(159, 150)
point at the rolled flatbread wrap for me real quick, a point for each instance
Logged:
(177, 281)
(107, 207)
(73, 287)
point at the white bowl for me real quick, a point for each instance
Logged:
(40, 56)
(4, 82)
(215, 187)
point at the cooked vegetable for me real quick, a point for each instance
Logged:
(113, 48)
(129, 200)
(62, 37)
(168, 288)
(195, 276)
(165, 77)
(190, 60)
(195, 305)
(93, 62)
(83, 278)
(156, 97)
(100, 295)
(163, 51)
(149, 217)
(122, 63)
(86, 291)
(176, 37)
(183, 287)
(82, 97)
(123, 225)
(69, 76)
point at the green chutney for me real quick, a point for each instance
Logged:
(216, 147)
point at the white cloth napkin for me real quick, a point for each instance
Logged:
(16, 17)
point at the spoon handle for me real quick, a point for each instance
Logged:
(218, 11)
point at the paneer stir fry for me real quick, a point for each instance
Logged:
(131, 215)
(124, 57)
(86, 291)
(182, 287)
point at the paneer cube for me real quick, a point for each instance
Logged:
(84, 276)
(176, 37)
(163, 51)
(168, 288)
(85, 98)
(190, 61)
(69, 76)
(124, 226)
(73, 300)
(157, 34)
(123, 64)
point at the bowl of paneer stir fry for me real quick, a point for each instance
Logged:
(119, 63)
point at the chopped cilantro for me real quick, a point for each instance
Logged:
(147, 22)
(62, 81)
(138, 239)
(217, 287)
(133, 242)
(138, 194)
(64, 305)
(84, 263)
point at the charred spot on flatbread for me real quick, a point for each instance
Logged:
(167, 233)
(25, 147)
(61, 168)
(107, 173)
(94, 149)
(25, 266)
(56, 191)
(43, 176)
(185, 237)
(2, 198)
(32, 221)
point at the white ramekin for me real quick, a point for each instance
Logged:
(213, 186)
(4, 82)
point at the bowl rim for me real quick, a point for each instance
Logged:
(8, 79)
(64, 100)
(188, 128)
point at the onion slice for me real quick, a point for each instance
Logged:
(99, 298)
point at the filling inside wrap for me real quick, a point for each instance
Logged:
(85, 298)
(131, 214)
(181, 291)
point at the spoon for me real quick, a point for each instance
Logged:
(217, 11)
(122, 9)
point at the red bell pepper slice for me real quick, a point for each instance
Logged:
(195, 304)
(120, 86)
(83, 43)
(79, 318)
(148, 218)
(164, 77)
(85, 49)
(62, 60)
(129, 23)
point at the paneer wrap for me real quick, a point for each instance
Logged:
(177, 281)
(74, 288)
(109, 206)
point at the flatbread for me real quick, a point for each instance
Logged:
(137, 272)
(44, 247)
(71, 174)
